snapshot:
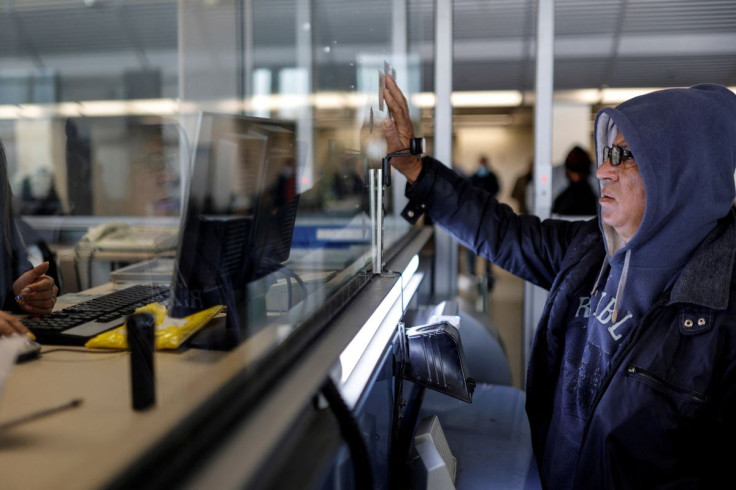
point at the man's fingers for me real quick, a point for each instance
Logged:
(392, 135)
(399, 109)
(394, 88)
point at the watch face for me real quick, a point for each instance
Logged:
(416, 146)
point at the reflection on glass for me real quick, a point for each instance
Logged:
(238, 225)
(95, 166)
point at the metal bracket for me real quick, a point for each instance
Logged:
(376, 185)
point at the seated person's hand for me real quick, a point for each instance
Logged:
(10, 324)
(36, 292)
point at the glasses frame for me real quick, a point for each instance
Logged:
(616, 154)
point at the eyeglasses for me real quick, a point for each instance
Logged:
(616, 154)
(158, 160)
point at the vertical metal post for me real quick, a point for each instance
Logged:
(543, 109)
(534, 297)
(305, 62)
(400, 50)
(248, 50)
(446, 250)
(375, 177)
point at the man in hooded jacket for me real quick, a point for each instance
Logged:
(631, 382)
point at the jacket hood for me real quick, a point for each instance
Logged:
(684, 143)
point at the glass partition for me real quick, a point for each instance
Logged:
(222, 147)
(96, 166)
(219, 151)
(277, 64)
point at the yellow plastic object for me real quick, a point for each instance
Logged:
(170, 333)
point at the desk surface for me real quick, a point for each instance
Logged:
(85, 446)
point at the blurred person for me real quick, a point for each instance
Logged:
(484, 178)
(578, 198)
(522, 190)
(631, 382)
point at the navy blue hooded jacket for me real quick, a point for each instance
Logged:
(632, 377)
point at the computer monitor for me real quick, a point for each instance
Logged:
(238, 222)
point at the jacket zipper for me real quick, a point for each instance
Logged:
(644, 374)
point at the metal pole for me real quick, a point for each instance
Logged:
(535, 297)
(445, 260)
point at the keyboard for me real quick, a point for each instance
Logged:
(75, 325)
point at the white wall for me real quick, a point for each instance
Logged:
(571, 125)
(508, 148)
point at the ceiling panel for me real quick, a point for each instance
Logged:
(616, 43)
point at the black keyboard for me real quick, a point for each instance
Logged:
(75, 325)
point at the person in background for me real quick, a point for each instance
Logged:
(631, 381)
(23, 288)
(578, 198)
(484, 178)
(523, 189)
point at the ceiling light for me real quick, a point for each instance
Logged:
(494, 98)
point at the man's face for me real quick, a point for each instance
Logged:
(623, 197)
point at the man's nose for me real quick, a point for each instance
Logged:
(606, 171)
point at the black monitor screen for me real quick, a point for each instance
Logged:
(238, 223)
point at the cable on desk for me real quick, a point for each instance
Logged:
(289, 274)
(90, 259)
(77, 274)
(40, 414)
(350, 430)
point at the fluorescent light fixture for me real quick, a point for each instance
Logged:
(154, 106)
(69, 109)
(105, 108)
(612, 96)
(292, 101)
(583, 96)
(483, 120)
(483, 98)
(495, 98)
(263, 103)
(9, 111)
(330, 100)
(357, 99)
(617, 95)
(229, 105)
(424, 100)
(34, 111)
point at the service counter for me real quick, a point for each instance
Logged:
(251, 417)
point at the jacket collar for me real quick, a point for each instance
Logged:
(705, 280)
